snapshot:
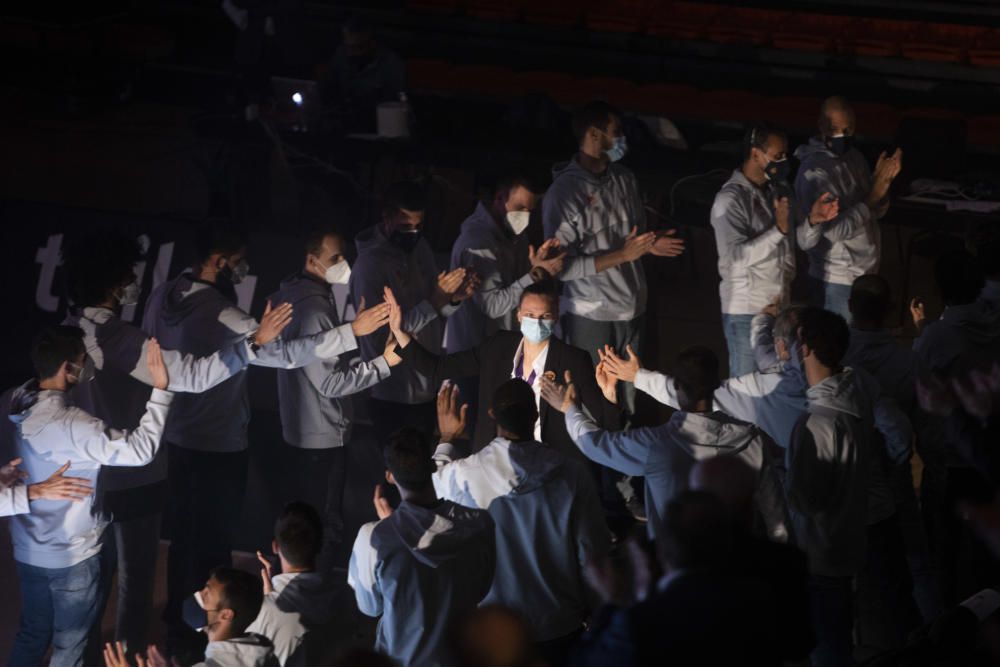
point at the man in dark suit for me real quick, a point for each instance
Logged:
(530, 355)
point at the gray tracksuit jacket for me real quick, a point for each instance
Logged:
(828, 476)
(756, 261)
(591, 215)
(501, 260)
(422, 569)
(549, 522)
(195, 317)
(412, 278)
(315, 399)
(849, 245)
(49, 431)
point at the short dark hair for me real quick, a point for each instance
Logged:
(825, 333)
(314, 239)
(515, 179)
(596, 114)
(514, 407)
(958, 277)
(408, 195)
(97, 263)
(757, 135)
(696, 373)
(53, 346)
(830, 105)
(408, 458)
(214, 239)
(241, 593)
(697, 532)
(871, 299)
(299, 534)
(547, 288)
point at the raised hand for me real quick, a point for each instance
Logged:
(114, 655)
(607, 382)
(468, 287)
(370, 320)
(57, 487)
(637, 245)
(666, 244)
(395, 318)
(559, 396)
(451, 416)
(824, 209)
(448, 282)
(265, 573)
(781, 215)
(548, 258)
(272, 323)
(382, 507)
(154, 363)
(10, 475)
(918, 312)
(622, 369)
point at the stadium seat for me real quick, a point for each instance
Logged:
(878, 37)
(942, 42)
(625, 16)
(810, 32)
(684, 21)
(494, 10)
(745, 25)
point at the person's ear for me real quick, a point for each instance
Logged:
(389, 478)
(226, 615)
(220, 262)
(490, 413)
(274, 548)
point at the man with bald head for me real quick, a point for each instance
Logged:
(831, 168)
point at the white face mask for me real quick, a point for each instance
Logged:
(518, 220)
(338, 274)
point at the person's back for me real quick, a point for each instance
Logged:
(423, 565)
(548, 524)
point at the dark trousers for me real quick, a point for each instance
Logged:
(206, 498)
(317, 477)
(557, 652)
(831, 610)
(388, 417)
(887, 611)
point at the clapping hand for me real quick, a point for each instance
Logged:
(637, 245)
(549, 257)
(370, 320)
(621, 369)
(382, 507)
(607, 382)
(265, 573)
(272, 323)
(448, 282)
(154, 363)
(824, 209)
(559, 396)
(396, 318)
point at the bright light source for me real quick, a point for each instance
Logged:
(297, 98)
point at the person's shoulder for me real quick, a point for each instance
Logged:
(571, 354)
(501, 341)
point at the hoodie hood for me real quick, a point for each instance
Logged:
(979, 321)
(22, 401)
(301, 286)
(839, 393)
(250, 650)
(574, 170)
(184, 295)
(815, 149)
(435, 535)
(304, 593)
(713, 434)
(481, 224)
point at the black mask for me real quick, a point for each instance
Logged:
(405, 240)
(840, 145)
(778, 170)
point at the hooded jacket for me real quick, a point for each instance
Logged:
(195, 317)
(421, 569)
(48, 433)
(592, 214)
(413, 278)
(849, 245)
(315, 399)
(250, 650)
(665, 455)
(121, 384)
(965, 337)
(300, 606)
(891, 364)
(756, 260)
(828, 476)
(500, 259)
(549, 522)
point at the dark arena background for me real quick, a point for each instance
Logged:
(162, 118)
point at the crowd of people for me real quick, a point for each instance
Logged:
(525, 519)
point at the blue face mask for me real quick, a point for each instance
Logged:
(617, 150)
(536, 330)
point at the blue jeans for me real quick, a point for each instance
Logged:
(58, 607)
(831, 296)
(737, 330)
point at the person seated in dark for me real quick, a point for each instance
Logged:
(362, 74)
